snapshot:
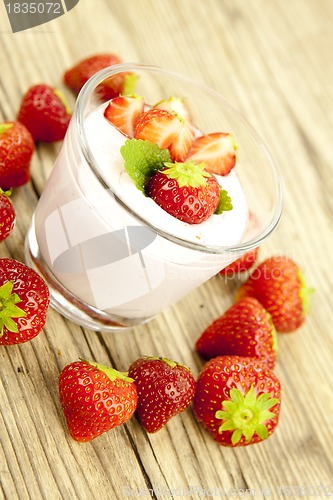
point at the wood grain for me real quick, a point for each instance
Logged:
(273, 62)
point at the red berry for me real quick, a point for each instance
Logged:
(245, 329)
(237, 400)
(165, 388)
(95, 399)
(168, 130)
(216, 150)
(279, 285)
(186, 191)
(16, 149)
(24, 301)
(76, 76)
(242, 264)
(45, 113)
(124, 112)
(7, 215)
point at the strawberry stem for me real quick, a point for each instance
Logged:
(110, 372)
(9, 309)
(5, 126)
(245, 414)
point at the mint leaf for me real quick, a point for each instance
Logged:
(225, 203)
(142, 160)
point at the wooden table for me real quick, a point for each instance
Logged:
(273, 61)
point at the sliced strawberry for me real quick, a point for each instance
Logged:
(217, 150)
(175, 105)
(123, 112)
(166, 129)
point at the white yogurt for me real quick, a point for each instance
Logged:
(101, 253)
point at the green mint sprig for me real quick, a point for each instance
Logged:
(142, 159)
(225, 203)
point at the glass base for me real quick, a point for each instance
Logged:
(64, 302)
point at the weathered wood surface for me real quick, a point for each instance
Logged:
(273, 61)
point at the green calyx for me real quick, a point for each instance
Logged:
(6, 193)
(187, 174)
(9, 309)
(245, 415)
(305, 293)
(109, 372)
(129, 84)
(63, 100)
(5, 126)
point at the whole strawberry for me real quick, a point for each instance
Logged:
(237, 400)
(245, 329)
(76, 76)
(186, 191)
(16, 149)
(24, 301)
(241, 265)
(45, 113)
(165, 388)
(7, 215)
(95, 399)
(279, 285)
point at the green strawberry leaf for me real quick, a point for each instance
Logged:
(9, 309)
(5, 126)
(187, 174)
(129, 84)
(225, 203)
(246, 414)
(112, 373)
(142, 160)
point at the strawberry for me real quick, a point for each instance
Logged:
(245, 329)
(7, 215)
(24, 301)
(16, 149)
(95, 399)
(165, 388)
(186, 191)
(278, 283)
(45, 113)
(76, 76)
(242, 264)
(168, 130)
(123, 112)
(237, 400)
(217, 150)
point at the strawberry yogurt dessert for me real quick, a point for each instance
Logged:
(148, 206)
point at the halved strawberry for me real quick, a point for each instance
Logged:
(217, 150)
(175, 105)
(166, 129)
(123, 112)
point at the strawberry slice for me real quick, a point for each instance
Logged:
(123, 112)
(217, 150)
(166, 129)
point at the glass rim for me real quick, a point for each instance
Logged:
(78, 120)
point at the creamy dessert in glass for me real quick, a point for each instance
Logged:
(112, 256)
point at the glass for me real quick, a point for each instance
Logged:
(110, 265)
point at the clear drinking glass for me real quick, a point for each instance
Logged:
(112, 264)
